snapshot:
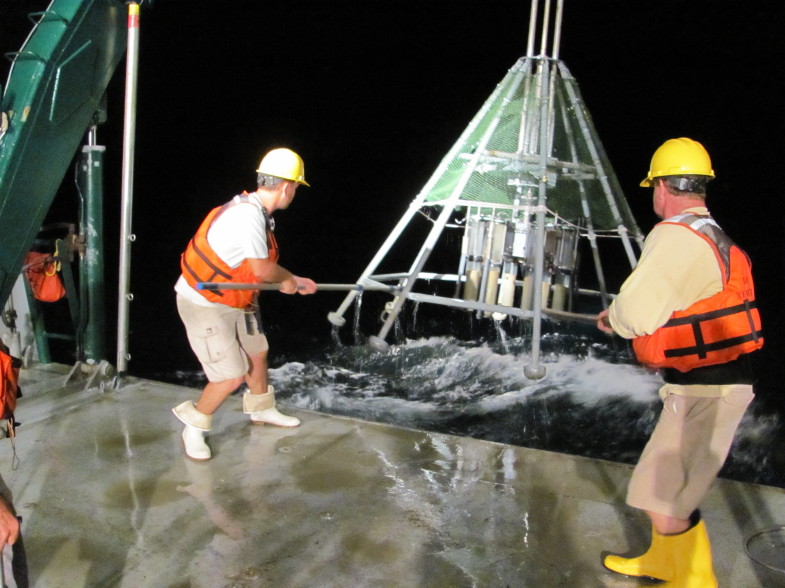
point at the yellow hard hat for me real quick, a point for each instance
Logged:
(283, 163)
(679, 157)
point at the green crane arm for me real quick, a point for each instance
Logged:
(56, 83)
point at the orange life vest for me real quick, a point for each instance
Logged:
(9, 385)
(199, 263)
(717, 329)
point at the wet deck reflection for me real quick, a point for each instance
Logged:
(109, 499)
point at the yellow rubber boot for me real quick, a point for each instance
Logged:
(655, 563)
(690, 554)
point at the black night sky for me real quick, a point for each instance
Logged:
(372, 94)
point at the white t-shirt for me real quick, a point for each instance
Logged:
(238, 233)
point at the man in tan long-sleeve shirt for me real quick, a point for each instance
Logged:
(685, 280)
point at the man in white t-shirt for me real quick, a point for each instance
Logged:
(235, 244)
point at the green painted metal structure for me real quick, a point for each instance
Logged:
(57, 81)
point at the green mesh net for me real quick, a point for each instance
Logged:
(499, 158)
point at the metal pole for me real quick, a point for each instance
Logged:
(546, 20)
(532, 24)
(126, 237)
(535, 370)
(605, 176)
(336, 317)
(217, 286)
(91, 269)
(557, 29)
(587, 214)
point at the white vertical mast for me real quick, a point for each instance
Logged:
(126, 236)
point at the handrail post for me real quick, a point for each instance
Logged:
(126, 237)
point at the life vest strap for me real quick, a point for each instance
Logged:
(701, 348)
(196, 278)
(704, 348)
(216, 270)
(700, 344)
(748, 306)
(745, 306)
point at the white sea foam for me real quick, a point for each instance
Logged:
(478, 389)
(439, 371)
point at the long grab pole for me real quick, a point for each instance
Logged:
(217, 286)
(126, 237)
(456, 302)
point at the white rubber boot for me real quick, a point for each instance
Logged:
(262, 409)
(196, 425)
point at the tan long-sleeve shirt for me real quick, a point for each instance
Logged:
(676, 269)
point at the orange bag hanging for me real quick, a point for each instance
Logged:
(41, 271)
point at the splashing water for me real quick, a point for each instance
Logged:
(586, 405)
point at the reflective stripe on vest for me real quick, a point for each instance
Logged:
(200, 263)
(716, 329)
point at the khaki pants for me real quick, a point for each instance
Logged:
(687, 449)
(222, 338)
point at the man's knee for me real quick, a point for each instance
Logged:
(231, 383)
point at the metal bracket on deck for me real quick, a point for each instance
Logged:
(96, 373)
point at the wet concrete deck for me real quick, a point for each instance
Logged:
(109, 499)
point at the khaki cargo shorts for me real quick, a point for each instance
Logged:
(222, 338)
(687, 448)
